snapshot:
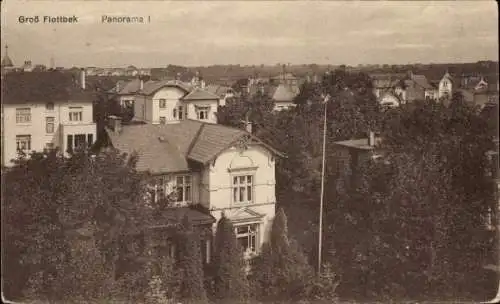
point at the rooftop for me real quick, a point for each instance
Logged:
(173, 147)
(41, 87)
(361, 144)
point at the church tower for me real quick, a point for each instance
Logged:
(6, 61)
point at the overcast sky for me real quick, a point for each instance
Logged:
(256, 32)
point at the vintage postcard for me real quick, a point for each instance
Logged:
(250, 152)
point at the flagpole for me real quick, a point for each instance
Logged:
(320, 241)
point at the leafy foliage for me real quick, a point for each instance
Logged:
(281, 272)
(230, 281)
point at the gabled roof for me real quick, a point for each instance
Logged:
(243, 215)
(422, 81)
(199, 94)
(219, 90)
(284, 93)
(170, 148)
(152, 87)
(41, 87)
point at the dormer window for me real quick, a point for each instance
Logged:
(202, 113)
(49, 106)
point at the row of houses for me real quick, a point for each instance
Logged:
(199, 168)
(392, 90)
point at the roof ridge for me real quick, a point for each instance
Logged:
(191, 145)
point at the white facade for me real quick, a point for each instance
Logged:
(224, 186)
(283, 105)
(37, 126)
(445, 87)
(166, 106)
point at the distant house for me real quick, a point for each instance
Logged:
(163, 102)
(351, 154)
(203, 171)
(45, 110)
(447, 86)
(283, 96)
(224, 92)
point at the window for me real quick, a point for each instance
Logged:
(75, 113)
(80, 141)
(23, 143)
(163, 120)
(90, 139)
(183, 188)
(49, 106)
(23, 115)
(163, 103)
(158, 191)
(175, 113)
(202, 113)
(49, 124)
(242, 189)
(247, 237)
(69, 143)
(181, 112)
(49, 146)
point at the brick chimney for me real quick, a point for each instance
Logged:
(82, 78)
(115, 123)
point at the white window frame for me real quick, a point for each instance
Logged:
(23, 115)
(75, 113)
(252, 235)
(240, 185)
(162, 103)
(205, 110)
(23, 140)
(50, 125)
(185, 187)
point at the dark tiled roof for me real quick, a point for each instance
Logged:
(212, 140)
(169, 148)
(200, 94)
(422, 81)
(42, 87)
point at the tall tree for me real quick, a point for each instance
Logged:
(230, 281)
(281, 272)
(192, 288)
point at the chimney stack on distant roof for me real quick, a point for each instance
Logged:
(82, 78)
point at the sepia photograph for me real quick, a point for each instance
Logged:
(250, 152)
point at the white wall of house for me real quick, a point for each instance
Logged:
(38, 127)
(283, 105)
(171, 96)
(388, 99)
(445, 88)
(257, 162)
(431, 94)
(193, 106)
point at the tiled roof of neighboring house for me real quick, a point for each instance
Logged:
(152, 87)
(42, 87)
(422, 81)
(385, 83)
(169, 148)
(283, 93)
(361, 144)
(219, 90)
(176, 215)
(213, 139)
(200, 94)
